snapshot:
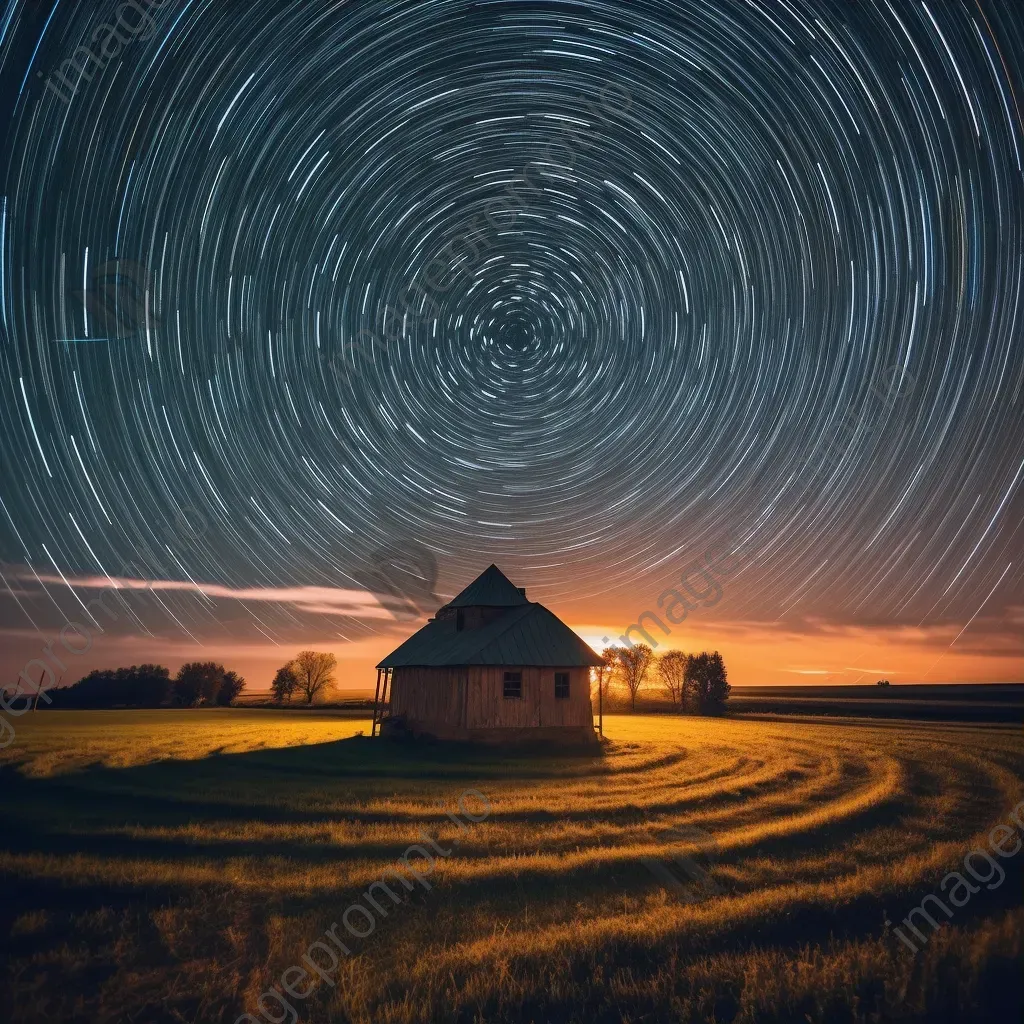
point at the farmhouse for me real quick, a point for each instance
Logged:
(490, 666)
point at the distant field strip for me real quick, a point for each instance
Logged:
(191, 858)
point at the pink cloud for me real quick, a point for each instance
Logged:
(319, 600)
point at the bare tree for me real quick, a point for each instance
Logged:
(314, 671)
(672, 672)
(634, 662)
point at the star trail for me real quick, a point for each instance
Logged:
(580, 288)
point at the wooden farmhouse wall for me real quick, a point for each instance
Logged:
(472, 698)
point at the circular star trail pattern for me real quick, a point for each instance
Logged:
(699, 271)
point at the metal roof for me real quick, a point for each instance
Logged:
(525, 635)
(491, 589)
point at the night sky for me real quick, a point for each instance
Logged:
(311, 308)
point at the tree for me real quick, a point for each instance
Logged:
(672, 673)
(285, 683)
(314, 671)
(231, 686)
(141, 686)
(151, 685)
(198, 682)
(634, 662)
(706, 681)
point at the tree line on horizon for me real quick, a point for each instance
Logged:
(196, 684)
(695, 683)
(309, 676)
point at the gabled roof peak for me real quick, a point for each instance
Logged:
(491, 589)
(524, 633)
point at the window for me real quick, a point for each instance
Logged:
(561, 685)
(513, 688)
(460, 621)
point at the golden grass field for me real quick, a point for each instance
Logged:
(168, 867)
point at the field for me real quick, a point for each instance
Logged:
(171, 866)
(975, 702)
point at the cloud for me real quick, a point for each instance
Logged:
(199, 611)
(315, 600)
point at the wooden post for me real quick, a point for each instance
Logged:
(383, 698)
(376, 703)
(39, 690)
(600, 703)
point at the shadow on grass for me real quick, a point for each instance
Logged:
(92, 811)
(310, 784)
